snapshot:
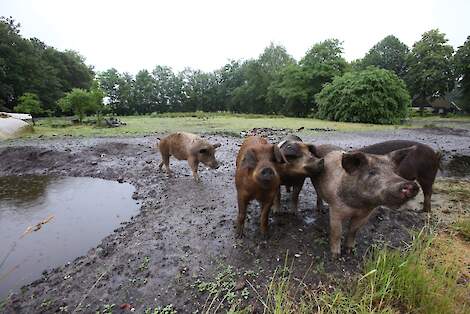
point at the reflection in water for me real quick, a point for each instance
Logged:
(84, 211)
(23, 190)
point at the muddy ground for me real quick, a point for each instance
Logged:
(184, 238)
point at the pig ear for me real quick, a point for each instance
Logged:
(216, 145)
(353, 161)
(397, 156)
(313, 150)
(249, 160)
(278, 155)
(290, 150)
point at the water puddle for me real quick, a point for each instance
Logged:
(46, 222)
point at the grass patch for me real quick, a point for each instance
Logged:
(426, 277)
(168, 309)
(462, 226)
(198, 122)
(437, 117)
(417, 280)
(226, 291)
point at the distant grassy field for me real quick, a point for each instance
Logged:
(200, 122)
(194, 122)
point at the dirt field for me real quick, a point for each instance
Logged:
(183, 244)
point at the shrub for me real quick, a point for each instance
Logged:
(369, 96)
(29, 103)
(80, 102)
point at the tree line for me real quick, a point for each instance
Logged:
(272, 83)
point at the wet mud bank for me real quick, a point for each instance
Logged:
(184, 235)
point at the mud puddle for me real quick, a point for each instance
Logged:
(458, 166)
(48, 221)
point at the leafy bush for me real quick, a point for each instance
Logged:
(80, 102)
(29, 103)
(369, 96)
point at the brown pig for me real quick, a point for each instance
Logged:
(256, 177)
(421, 164)
(190, 147)
(301, 163)
(356, 183)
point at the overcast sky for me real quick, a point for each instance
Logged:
(133, 35)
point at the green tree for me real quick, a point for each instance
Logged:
(370, 96)
(462, 68)
(144, 92)
(289, 92)
(230, 76)
(430, 66)
(390, 54)
(80, 102)
(118, 88)
(200, 90)
(294, 89)
(252, 95)
(29, 65)
(29, 103)
(168, 89)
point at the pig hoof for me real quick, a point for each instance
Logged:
(349, 251)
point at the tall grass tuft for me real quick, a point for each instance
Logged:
(409, 281)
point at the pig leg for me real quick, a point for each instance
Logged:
(356, 223)
(242, 204)
(277, 201)
(194, 163)
(165, 161)
(320, 204)
(266, 206)
(295, 196)
(426, 185)
(335, 233)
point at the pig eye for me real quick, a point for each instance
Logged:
(372, 172)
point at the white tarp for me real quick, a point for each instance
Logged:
(12, 127)
(22, 116)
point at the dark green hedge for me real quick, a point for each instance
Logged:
(369, 96)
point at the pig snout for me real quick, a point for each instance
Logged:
(315, 166)
(409, 190)
(266, 174)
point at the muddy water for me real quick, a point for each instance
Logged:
(76, 214)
